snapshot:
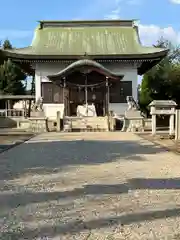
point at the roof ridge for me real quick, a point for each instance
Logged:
(75, 23)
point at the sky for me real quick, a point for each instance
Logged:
(155, 18)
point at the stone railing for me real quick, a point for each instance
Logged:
(12, 113)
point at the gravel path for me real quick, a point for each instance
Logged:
(89, 186)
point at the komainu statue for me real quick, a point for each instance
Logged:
(133, 120)
(132, 105)
(38, 106)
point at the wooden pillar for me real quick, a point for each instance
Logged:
(25, 108)
(64, 96)
(29, 108)
(8, 112)
(107, 96)
(107, 103)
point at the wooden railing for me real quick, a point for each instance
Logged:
(12, 113)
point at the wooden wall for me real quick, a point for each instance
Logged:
(53, 93)
(119, 91)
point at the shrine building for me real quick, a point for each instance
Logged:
(80, 64)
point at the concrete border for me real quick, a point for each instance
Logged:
(14, 144)
(156, 142)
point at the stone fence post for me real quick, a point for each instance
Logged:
(58, 128)
(177, 125)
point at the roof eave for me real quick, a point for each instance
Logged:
(23, 56)
(146, 66)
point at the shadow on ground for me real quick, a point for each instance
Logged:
(79, 225)
(24, 198)
(50, 157)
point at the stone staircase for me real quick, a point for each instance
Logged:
(86, 124)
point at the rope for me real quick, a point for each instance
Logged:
(86, 85)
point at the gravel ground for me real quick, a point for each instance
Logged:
(89, 186)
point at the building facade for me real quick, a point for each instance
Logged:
(84, 63)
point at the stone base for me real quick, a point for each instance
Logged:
(38, 114)
(133, 121)
(38, 125)
(132, 114)
(136, 125)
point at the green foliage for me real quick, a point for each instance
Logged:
(1, 54)
(7, 44)
(11, 75)
(162, 82)
(10, 79)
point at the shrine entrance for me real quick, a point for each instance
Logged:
(87, 89)
(85, 86)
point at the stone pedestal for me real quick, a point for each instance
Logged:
(38, 124)
(133, 121)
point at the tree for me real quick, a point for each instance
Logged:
(11, 76)
(7, 44)
(1, 54)
(10, 79)
(162, 82)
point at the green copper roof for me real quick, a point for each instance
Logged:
(90, 40)
(96, 38)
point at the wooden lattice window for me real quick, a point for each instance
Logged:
(119, 91)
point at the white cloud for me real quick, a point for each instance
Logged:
(175, 1)
(149, 34)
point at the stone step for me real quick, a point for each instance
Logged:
(87, 123)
